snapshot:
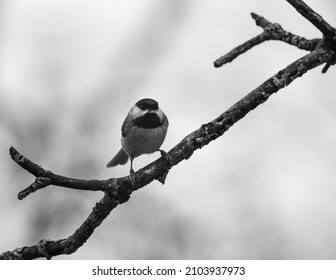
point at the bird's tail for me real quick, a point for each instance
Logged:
(120, 158)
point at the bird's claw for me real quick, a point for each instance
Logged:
(132, 178)
(167, 157)
(42, 248)
(169, 160)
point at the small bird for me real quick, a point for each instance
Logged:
(142, 132)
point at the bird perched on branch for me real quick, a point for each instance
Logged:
(142, 132)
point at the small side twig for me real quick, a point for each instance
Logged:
(40, 182)
(271, 31)
(274, 31)
(46, 178)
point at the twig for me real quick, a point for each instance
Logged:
(271, 31)
(45, 178)
(307, 12)
(274, 31)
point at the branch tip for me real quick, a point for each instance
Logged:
(12, 150)
(217, 64)
(255, 16)
(15, 155)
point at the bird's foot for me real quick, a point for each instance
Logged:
(132, 178)
(42, 248)
(167, 157)
(169, 160)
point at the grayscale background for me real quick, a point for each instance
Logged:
(71, 69)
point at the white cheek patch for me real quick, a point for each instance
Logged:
(137, 112)
(160, 114)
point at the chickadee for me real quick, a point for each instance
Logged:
(142, 132)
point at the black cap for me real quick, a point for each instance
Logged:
(147, 104)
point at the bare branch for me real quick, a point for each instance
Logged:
(68, 245)
(326, 29)
(45, 178)
(272, 31)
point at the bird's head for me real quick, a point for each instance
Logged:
(147, 114)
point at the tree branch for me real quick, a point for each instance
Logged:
(307, 12)
(272, 31)
(68, 245)
(327, 30)
(118, 190)
(46, 178)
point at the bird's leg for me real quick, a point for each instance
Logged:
(167, 157)
(169, 160)
(131, 176)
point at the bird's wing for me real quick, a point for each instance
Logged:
(125, 126)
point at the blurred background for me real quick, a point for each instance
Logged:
(71, 70)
